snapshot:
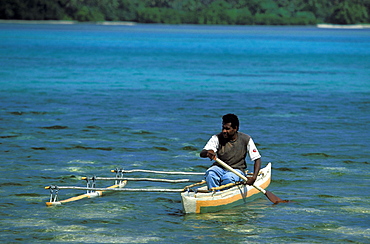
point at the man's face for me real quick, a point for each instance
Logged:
(228, 132)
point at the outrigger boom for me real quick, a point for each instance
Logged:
(159, 172)
(140, 179)
(120, 182)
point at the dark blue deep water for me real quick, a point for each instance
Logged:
(80, 100)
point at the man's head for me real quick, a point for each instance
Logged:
(231, 118)
(230, 126)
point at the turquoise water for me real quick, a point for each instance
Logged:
(80, 100)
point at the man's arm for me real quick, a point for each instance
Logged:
(207, 154)
(210, 148)
(257, 167)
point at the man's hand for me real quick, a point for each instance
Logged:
(211, 154)
(251, 180)
(208, 154)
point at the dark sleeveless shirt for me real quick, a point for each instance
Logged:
(233, 152)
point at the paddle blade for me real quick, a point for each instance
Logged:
(273, 198)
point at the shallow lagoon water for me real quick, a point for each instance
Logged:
(80, 100)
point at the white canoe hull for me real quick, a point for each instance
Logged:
(215, 201)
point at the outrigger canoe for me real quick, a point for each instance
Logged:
(201, 201)
(195, 198)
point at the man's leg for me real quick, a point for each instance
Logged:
(230, 177)
(213, 176)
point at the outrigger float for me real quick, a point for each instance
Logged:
(196, 198)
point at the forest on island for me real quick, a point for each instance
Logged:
(222, 12)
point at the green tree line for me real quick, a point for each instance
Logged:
(225, 12)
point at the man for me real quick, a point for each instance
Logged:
(232, 147)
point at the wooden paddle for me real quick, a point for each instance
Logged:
(268, 194)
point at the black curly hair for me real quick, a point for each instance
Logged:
(231, 118)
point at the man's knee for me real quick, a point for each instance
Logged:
(229, 177)
(213, 176)
(214, 171)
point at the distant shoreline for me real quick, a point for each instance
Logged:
(129, 23)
